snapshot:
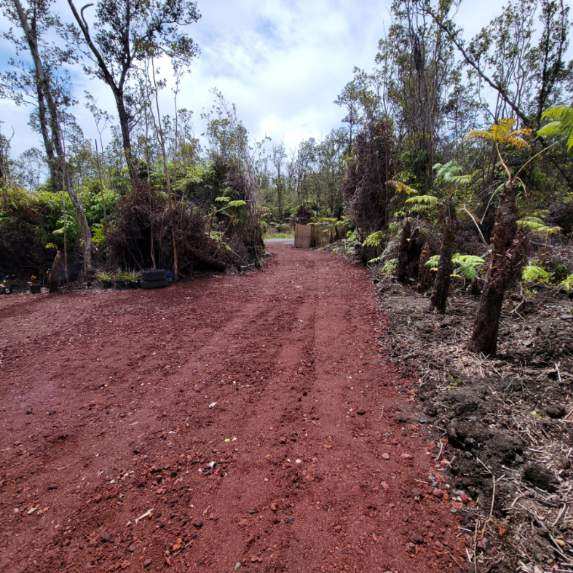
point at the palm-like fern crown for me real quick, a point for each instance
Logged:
(503, 133)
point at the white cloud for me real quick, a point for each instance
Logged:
(282, 62)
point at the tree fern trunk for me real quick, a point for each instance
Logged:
(506, 262)
(441, 290)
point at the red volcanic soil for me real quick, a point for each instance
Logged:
(233, 423)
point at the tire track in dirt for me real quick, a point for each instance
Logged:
(289, 356)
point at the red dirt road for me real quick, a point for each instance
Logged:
(234, 423)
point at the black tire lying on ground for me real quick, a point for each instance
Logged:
(152, 276)
(154, 284)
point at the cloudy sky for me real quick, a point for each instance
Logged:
(282, 62)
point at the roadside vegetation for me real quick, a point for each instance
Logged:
(459, 186)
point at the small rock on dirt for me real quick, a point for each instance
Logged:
(555, 411)
(540, 477)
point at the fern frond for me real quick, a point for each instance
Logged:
(538, 226)
(374, 240)
(504, 134)
(467, 266)
(560, 124)
(401, 187)
(535, 275)
(422, 200)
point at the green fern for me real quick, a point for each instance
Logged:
(219, 238)
(389, 267)
(567, 284)
(538, 226)
(560, 124)
(374, 240)
(236, 204)
(422, 200)
(104, 277)
(465, 266)
(535, 275)
(450, 173)
(433, 263)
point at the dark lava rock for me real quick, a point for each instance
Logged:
(495, 447)
(507, 449)
(467, 435)
(555, 411)
(540, 477)
(464, 402)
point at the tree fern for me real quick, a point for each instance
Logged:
(560, 124)
(503, 133)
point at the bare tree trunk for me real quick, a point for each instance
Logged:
(55, 173)
(83, 223)
(444, 277)
(57, 141)
(506, 261)
(123, 116)
(172, 205)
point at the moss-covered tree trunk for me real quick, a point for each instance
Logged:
(439, 299)
(508, 250)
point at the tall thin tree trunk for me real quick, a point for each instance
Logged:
(53, 166)
(45, 89)
(123, 116)
(161, 136)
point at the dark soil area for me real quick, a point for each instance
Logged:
(231, 423)
(506, 423)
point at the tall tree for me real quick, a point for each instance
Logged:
(520, 55)
(49, 113)
(278, 158)
(125, 33)
(421, 77)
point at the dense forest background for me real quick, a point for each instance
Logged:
(414, 158)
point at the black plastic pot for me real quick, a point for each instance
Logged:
(35, 289)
